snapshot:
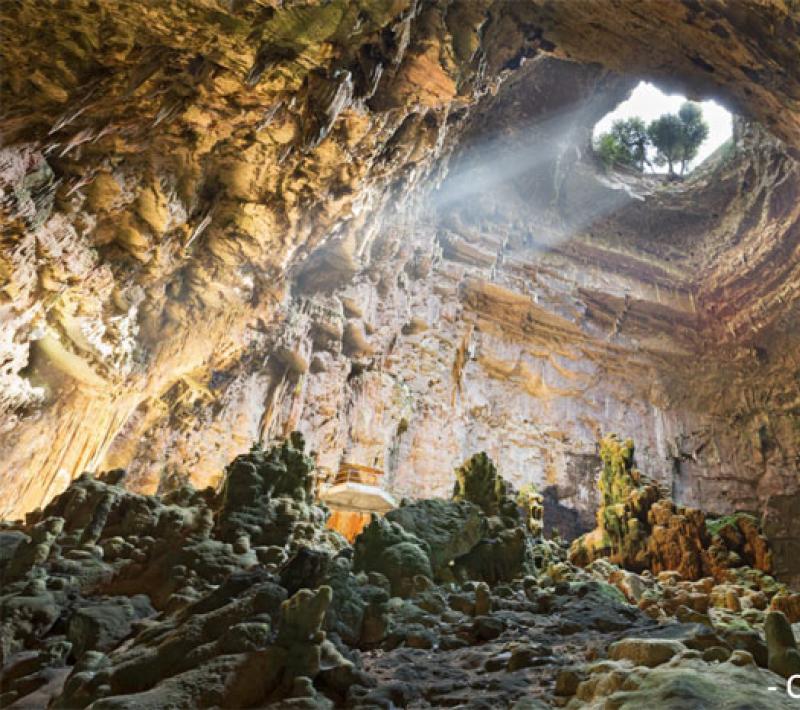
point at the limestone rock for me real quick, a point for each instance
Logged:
(693, 680)
(305, 622)
(645, 652)
(267, 497)
(478, 482)
(449, 528)
(386, 548)
(784, 658)
(483, 599)
(102, 624)
(641, 529)
(33, 551)
(500, 557)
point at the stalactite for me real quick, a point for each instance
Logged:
(462, 355)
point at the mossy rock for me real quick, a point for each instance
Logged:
(450, 528)
(385, 547)
(268, 497)
(715, 526)
(502, 558)
(478, 482)
(617, 480)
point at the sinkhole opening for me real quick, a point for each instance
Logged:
(659, 133)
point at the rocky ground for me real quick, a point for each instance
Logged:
(242, 597)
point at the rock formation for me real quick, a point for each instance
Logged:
(218, 220)
(113, 599)
(639, 528)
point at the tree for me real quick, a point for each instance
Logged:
(632, 134)
(667, 135)
(695, 131)
(677, 138)
(625, 144)
(610, 150)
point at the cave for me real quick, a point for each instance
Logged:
(340, 368)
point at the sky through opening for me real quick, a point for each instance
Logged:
(648, 103)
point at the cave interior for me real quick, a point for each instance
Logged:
(330, 347)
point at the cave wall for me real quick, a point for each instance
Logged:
(526, 312)
(164, 167)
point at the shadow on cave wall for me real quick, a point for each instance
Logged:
(569, 522)
(570, 506)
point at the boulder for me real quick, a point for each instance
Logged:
(686, 683)
(645, 652)
(385, 547)
(99, 625)
(500, 557)
(450, 528)
(784, 658)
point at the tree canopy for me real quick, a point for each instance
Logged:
(672, 140)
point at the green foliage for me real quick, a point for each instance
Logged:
(695, 131)
(631, 134)
(716, 525)
(676, 139)
(625, 144)
(666, 136)
(609, 150)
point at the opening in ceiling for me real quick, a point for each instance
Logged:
(649, 104)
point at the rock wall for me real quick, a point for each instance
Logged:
(526, 315)
(163, 169)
